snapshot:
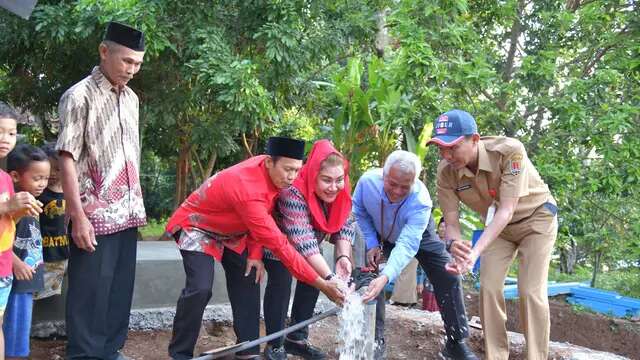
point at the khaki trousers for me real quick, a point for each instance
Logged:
(404, 289)
(532, 241)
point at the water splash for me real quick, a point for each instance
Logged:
(356, 338)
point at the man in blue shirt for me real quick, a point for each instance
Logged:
(393, 210)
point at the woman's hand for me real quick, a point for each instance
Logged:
(343, 268)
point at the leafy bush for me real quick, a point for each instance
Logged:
(157, 179)
(154, 229)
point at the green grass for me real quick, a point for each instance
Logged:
(626, 282)
(154, 228)
(581, 274)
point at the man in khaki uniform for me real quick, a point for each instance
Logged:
(494, 177)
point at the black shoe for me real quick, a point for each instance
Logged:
(304, 350)
(458, 350)
(275, 353)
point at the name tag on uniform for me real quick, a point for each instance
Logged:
(464, 187)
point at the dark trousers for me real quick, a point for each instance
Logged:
(276, 302)
(433, 256)
(244, 296)
(99, 296)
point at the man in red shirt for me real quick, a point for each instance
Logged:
(229, 219)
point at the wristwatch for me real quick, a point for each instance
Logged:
(329, 277)
(447, 244)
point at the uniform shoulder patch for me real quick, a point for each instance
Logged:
(515, 166)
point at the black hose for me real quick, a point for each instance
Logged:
(264, 339)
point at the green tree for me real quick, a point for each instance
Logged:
(560, 75)
(216, 74)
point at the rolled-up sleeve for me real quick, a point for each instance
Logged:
(73, 118)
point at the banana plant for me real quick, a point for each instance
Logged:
(369, 122)
(419, 146)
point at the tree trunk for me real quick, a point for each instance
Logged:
(509, 66)
(247, 146)
(203, 172)
(516, 31)
(182, 172)
(596, 268)
(211, 164)
(568, 257)
(382, 34)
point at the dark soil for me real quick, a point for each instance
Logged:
(405, 340)
(591, 330)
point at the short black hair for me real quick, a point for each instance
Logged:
(23, 155)
(6, 112)
(50, 149)
(275, 158)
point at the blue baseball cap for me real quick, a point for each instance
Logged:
(452, 126)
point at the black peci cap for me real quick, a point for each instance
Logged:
(125, 36)
(287, 147)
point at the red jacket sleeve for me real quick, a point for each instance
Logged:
(254, 248)
(265, 232)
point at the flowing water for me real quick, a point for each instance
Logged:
(356, 335)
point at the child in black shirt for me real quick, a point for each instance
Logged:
(55, 243)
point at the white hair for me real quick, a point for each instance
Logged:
(404, 161)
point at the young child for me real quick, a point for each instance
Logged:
(12, 206)
(55, 243)
(29, 169)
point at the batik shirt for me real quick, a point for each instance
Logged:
(99, 128)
